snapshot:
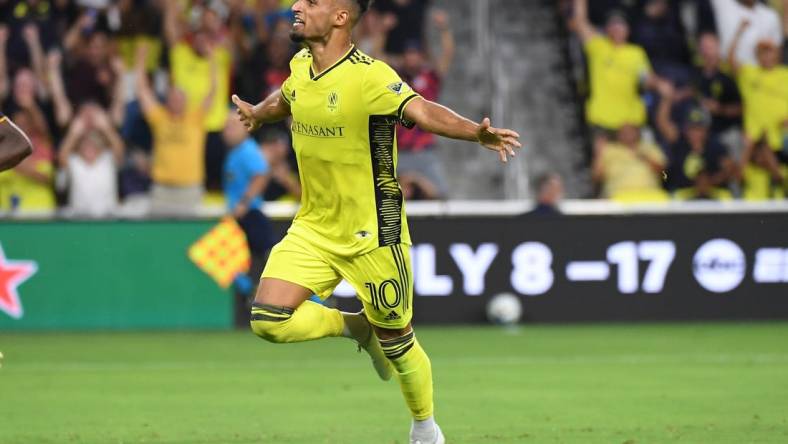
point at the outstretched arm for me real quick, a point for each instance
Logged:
(665, 125)
(441, 21)
(70, 142)
(145, 94)
(272, 109)
(785, 17)
(103, 123)
(64, 110)
(598, 165)
(33, 40)
(255, 188)
(582, 25)
(442, 121)
(14, 145)
(207, 102)
(732, 60)
(172, 22)
(117, 109)
(4, 86)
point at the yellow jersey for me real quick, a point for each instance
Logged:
(626, 172)
(344, 136)
(765, 94)
(30, 194)
(192, 74)
(615, 73)
(178, 146)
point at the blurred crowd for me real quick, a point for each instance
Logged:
(127, 104)
(686, 99)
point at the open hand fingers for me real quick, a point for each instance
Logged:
(505, 132)
(242, 108)
(512, 142)
(505, 149)
(242, 115)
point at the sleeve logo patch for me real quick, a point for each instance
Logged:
(398, 88)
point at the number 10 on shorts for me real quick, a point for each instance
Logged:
(388, 295)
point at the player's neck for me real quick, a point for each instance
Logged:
(326, 54)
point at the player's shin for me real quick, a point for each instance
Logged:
(308, 322)
(414, 372)
(358, 328)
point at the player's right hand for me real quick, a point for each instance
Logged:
(504, 141)
(246, 113)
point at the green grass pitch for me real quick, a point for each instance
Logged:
(655, 383)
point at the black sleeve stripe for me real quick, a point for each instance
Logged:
(284, 96)
(404, 103)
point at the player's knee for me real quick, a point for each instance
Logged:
(270, 331)
(270, 322)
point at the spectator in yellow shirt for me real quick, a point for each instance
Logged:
(28, 186)
(765, 91)
(191, 62)
(617, 71)
(178, 145)
(629, 169)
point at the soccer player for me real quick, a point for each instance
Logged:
(345, 107)
(14, 144)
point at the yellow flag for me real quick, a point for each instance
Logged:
(222, 252)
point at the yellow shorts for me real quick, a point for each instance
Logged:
(382, 278)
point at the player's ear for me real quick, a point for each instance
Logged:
(342, 18)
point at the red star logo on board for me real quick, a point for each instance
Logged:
(12, 274)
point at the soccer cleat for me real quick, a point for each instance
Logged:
(437, 437)
(365, 337)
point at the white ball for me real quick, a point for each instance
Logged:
(504, 308)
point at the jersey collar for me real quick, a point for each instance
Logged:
(337, 63)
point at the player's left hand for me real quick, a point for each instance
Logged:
(504, 141)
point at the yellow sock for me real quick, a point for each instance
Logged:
(308, 322)
(414, 371)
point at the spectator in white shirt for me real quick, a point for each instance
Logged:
(90, 154)
(765, 24)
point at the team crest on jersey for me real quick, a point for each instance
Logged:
(333, 101)
(398, 88)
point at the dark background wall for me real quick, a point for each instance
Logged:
(122, 275)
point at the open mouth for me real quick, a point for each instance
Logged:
(298, 22)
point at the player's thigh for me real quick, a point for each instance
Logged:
(294, 271)
(281, 293)
(384, 284)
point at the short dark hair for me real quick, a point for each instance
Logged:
(544, 179)
(364, 5)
